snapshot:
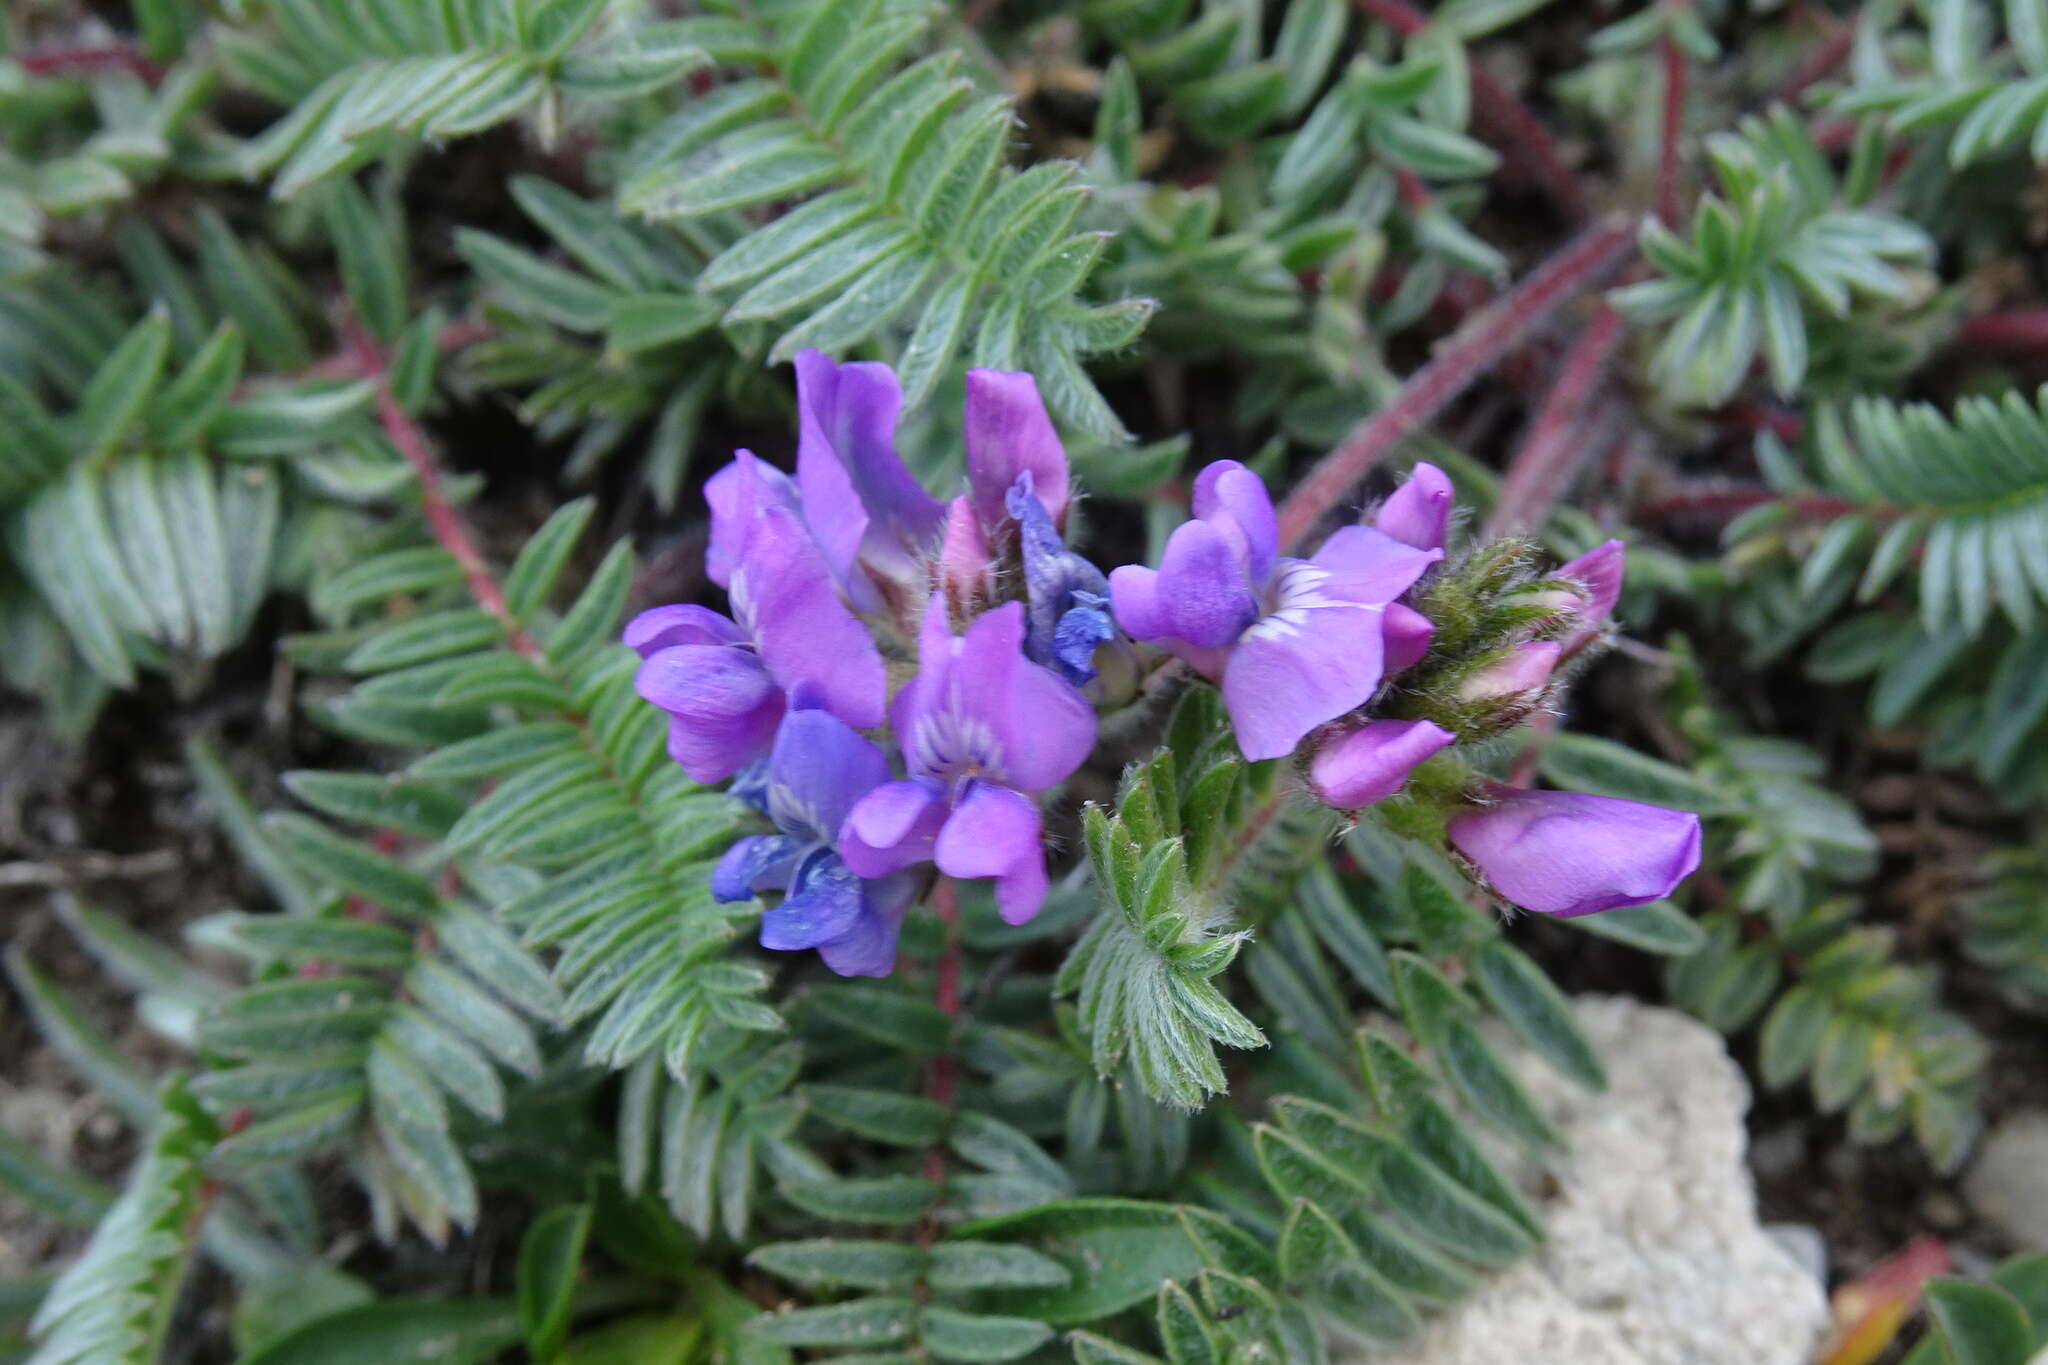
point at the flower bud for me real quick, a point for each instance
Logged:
(1564, 853)
(1404, 634)
(1515, 676)
(965, 570)
(1419, 511)
(1358, 767)
(1599, 570)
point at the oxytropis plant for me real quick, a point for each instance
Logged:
(868, 617)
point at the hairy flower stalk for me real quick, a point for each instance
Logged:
(1365, 661)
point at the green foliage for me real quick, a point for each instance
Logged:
(113, 1304)
(1940, 540)
(1142, 974)
(1791, 949)
(1768, 258)
(907, 208)
(1864, 1029)
(2003, 1319)
(364, 78)
(1269, 1107)
(1211, 67)
(624, 340)
(1961, 497)
(2005, 925)
(1959, 80)
(71, 147)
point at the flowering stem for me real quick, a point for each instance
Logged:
(942, 1077)
(1673, 61)
(2026, 330)
(1725, 504)
(1524, 138)
(1788, 427)
(1556, 449)
(442, 518)
(348, 361)
(1476, 348)
(85, 61)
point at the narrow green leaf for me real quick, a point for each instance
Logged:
(550, 1256)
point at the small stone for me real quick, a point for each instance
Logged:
(1652, 1254)
(1804, 1243)
(2008, 1182)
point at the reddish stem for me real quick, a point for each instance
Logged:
(1557, 447)
(1820, 63)
(1524, 139)
(942, 1077)
(1414, 193)
(1788, 427)
(441, 516)
(348, 361)
(2026, 330)
(1478, 346)
(1725, 504)
(86, 61)
(946, 985)
(1673, 61)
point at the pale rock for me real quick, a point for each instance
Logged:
(1652, 1254)
(2008, 1182)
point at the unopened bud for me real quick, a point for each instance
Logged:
(1518, 674)
(1358, 767)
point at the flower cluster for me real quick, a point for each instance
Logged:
(1019, 642)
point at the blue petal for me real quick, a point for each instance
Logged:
(1079, 632)
(869, 948)
(750, 785)
(1055, 578)
(819, 769)
(825, 903)
(761, 862)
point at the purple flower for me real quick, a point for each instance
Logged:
(725, 682)
(737, 494)
(1359, 767)
(1564, 853)
(1009, 436)
(870, 518)
(818, 770)
(862, 504)
(1295, 643)
(982, 728)
(1419, 511)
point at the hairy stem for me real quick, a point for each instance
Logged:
(1476, 348)
(1559, 442)
(1673, 122)
(1725, 504)
(942, 1077)
(1523, 139)
(442, 518)
(87, 61)
(348, 361)
(2024, 330)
